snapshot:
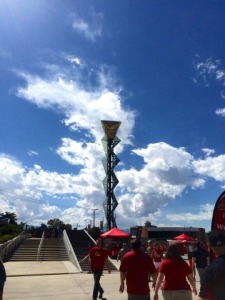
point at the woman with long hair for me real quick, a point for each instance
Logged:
(178, 277)
(157, 255)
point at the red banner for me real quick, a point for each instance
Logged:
(218, 219)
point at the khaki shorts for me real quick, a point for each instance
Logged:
(177, 295)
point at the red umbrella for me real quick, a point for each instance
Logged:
(115, 233)
(184, 237)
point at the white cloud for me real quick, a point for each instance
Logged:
(75, 60)
(24, 190)
(205, 213)
(213, 167)
(167, 172)
(220, 112)
(32, 153)
(208, 152)
(83, 105)
(208, 72)
(91, 29)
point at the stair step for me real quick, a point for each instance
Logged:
(52, 250)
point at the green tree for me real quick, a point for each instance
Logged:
(9, 215)
(54, 223)
(68, 227)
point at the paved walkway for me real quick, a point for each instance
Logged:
(59, 281)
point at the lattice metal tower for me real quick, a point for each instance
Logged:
(109, 141)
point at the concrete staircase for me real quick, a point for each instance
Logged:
(52, 250)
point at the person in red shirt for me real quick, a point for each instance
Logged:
(157, 255)
(135, 267)
(98, 256)
(175, 270)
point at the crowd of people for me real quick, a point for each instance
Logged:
(166, 268)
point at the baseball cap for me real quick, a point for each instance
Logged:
(216, 238)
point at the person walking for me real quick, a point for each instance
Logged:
(176, 272)
(149, 248)
(122, 251)
(190, 260)
(213, 278)
(2, 279)
(200, 259)
(134, 268)
(98, 257)
(157, 255)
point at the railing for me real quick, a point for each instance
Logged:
(90, 236)
(40, 245)
(9, 247)
(70, 251)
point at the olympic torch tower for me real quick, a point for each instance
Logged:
(109, 141)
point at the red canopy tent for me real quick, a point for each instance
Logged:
(184, 237)
(115, 233)
(182, 242)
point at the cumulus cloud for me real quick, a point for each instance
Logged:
(83, 104)
(208, 152)
(27, 190)
(213, 167)
(166, 172)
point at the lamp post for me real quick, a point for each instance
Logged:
(94, 209)
(88, 220)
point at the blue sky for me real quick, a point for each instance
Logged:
(156, 66)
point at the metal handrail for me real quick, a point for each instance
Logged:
(7, 248)
(90, 236)
(40, 245)
(71, 254)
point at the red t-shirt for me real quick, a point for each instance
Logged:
(175, 271)
(137, 265)
(98, 257)
(157, 255)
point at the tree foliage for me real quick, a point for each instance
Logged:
(9, 215)
(9, 229)
(57, 223)
(54, 223)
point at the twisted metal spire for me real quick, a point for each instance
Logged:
(109, 141)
